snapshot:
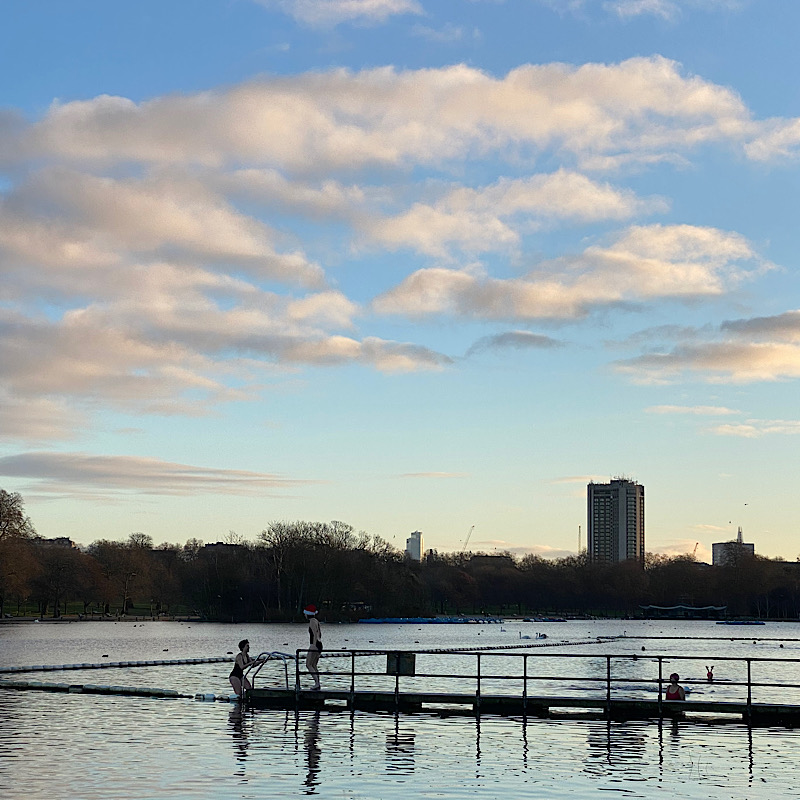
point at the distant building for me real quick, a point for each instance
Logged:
(483, 560)
(58, 541)
(222, 547)
(724, 553)
(616, 521)
(414, 548)
(684, 612)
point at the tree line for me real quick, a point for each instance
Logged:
(351, 575)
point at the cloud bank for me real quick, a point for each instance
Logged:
(738, 351)
(166, 256)
(82, 473)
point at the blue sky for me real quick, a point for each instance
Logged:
(408, 264)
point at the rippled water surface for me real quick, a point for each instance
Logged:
(92, 746)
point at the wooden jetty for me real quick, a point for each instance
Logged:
(551, 707)
(607, 688)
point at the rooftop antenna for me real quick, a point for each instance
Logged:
(579, 539)
(739, 537)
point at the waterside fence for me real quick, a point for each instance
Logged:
(537, 680)
(544, 684)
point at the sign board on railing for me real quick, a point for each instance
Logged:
(401, 663)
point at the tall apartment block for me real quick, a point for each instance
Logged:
(616, 521)
(414, 546)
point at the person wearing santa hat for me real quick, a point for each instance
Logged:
(315, 645)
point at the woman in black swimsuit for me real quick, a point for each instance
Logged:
(315, 645)
(237, 679)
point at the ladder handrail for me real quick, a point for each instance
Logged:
(254, 667)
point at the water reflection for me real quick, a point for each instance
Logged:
(400, 750)
(239, 738)
(718, 736)
(525, 744)
(478, 748)
(313, 752)
(621, 748)
(230, 754)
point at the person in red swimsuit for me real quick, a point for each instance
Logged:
(674, 691)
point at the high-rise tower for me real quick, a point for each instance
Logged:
(616, 521)
(414, 546)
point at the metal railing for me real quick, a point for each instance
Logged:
(252, 670)
(608, 677)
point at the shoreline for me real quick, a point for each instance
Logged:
(74, 618)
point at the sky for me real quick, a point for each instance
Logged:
(408, 264)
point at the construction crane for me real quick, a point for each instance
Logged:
(694, 552)
(466, 541)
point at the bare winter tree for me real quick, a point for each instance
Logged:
(13, 521)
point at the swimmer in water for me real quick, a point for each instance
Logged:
(674, 691)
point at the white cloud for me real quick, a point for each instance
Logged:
(371, 351)
(326, 13)
(755, 428)
(781, 327)
(583, 479)
(447, 34)
(644, 263)
(704, 527)
(683, 547)
(154, 254)
(739, 351)
(329, 309)
(488, 218)
(329, 200)
(717, 362)
(97, 360)
(434, 475)
(777, 139)
(699, 411)
(626, 9)
(666, 9)
(36, 419)
(642, 108)
(76, 473)
(515, 340)
(73, 221)
(500, 545)
(169, 351)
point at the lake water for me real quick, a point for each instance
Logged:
(97, 746)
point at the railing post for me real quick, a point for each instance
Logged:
(397, 685)
(660, 683)
(608, 684)
(525, 682)
(352, 680)
(749, 691)
(297, 675)
(478, 688)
